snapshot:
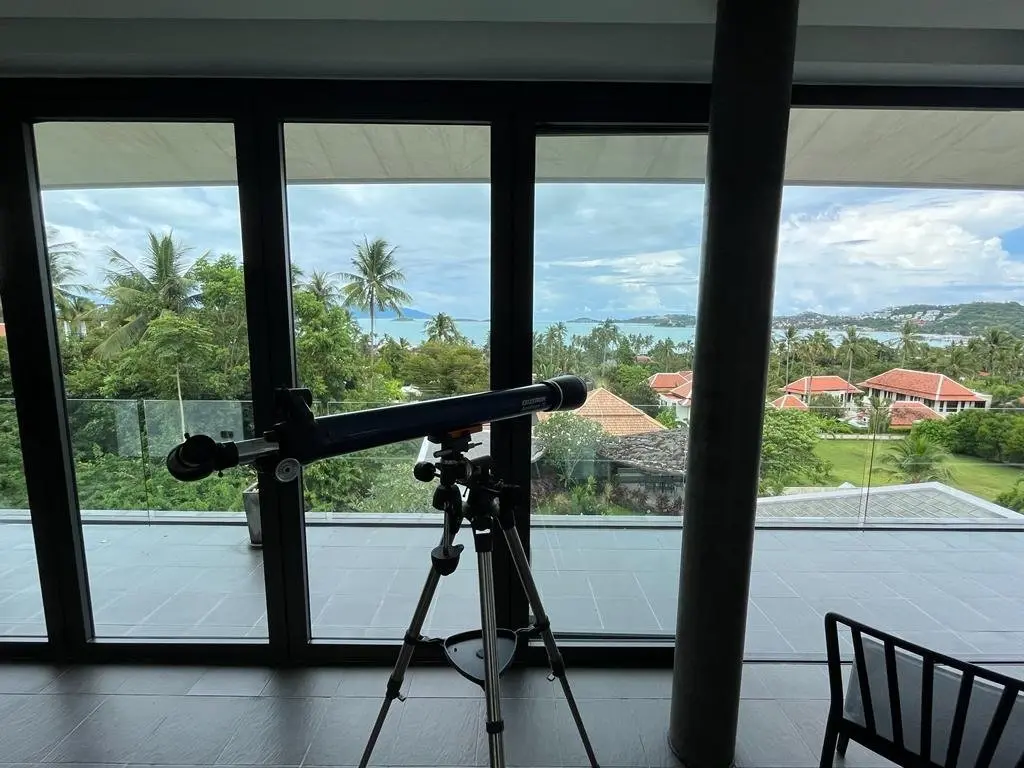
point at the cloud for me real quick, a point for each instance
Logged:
(599, 249)
(932, 246)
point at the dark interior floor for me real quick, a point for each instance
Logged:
(193, 716)
(190, 716)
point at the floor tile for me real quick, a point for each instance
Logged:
(766, 737)
(194, 730)
(27, 678)
(613, 730)
(343, 731)
(275, 731)
(226, 681)
(114, 731)
(315, 682)
(29, 732)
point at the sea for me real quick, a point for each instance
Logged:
(414, 331)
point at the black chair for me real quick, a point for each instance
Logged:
(919, 708)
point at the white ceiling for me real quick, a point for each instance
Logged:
(877, 41)
(848, 147)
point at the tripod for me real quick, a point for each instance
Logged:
(479, 656)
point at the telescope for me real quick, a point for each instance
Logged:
(301, 438)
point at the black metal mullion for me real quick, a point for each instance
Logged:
(259, 143)
(32, 343)
(512, 177)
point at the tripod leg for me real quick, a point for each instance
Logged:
(543, 624)
(489, 626)
(412, 636)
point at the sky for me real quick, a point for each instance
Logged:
(601, 250)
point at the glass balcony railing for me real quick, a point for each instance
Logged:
(903, 466)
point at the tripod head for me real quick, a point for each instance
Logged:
(454, 468)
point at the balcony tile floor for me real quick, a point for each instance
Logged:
(955, 591)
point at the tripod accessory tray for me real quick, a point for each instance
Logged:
(465, 652)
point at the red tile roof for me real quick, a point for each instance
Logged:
(615, 415)
(667, 381)
(790, 402)
(684, 391)
(931, 386)
(817, 384)
(903, 413)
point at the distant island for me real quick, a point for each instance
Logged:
(389, 314)
(940, 319)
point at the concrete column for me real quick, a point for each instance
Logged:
(749, 121)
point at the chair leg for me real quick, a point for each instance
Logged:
(844, 742)
(828, 748)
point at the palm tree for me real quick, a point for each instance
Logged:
(879, 415)
(140, 293)
(441, 329)
(917, 459)
(907, 341)
(854, 346)
(64, 273)
(995, 341)
(373, 285)
(957, 362)
(790, 338)
(75, 313)
(324, 286)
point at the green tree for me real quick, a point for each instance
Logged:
(393, 356)
(828, 406)
(374, 284)
(879, 415)
(957, 363)
(326, 348)
(788, 440)
(790, 338)
(667, 416)
(221, 309)
(907, 341)
(1013, 498)
(447, 369)
(324, 286)
(853, 348)
(568, 440)
(916, 459)
(441, 329)
(630, 383)
(936, 431)
(995, 341)
(62, 260)
(139, 294)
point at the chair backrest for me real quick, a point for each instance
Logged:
(928, 705)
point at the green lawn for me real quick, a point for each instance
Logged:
(850, 459)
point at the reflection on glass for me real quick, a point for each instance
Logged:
(21, 604)
(617, 254)
(389, 228)
(144, 249)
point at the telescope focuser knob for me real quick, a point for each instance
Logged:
(424, 471)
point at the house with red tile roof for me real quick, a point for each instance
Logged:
(666, 382)
(615, 415)
(790, 402)
(809, 386)
(678, 397)
(935, 390)
(904, 414)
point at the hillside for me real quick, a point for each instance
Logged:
(951, 319)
